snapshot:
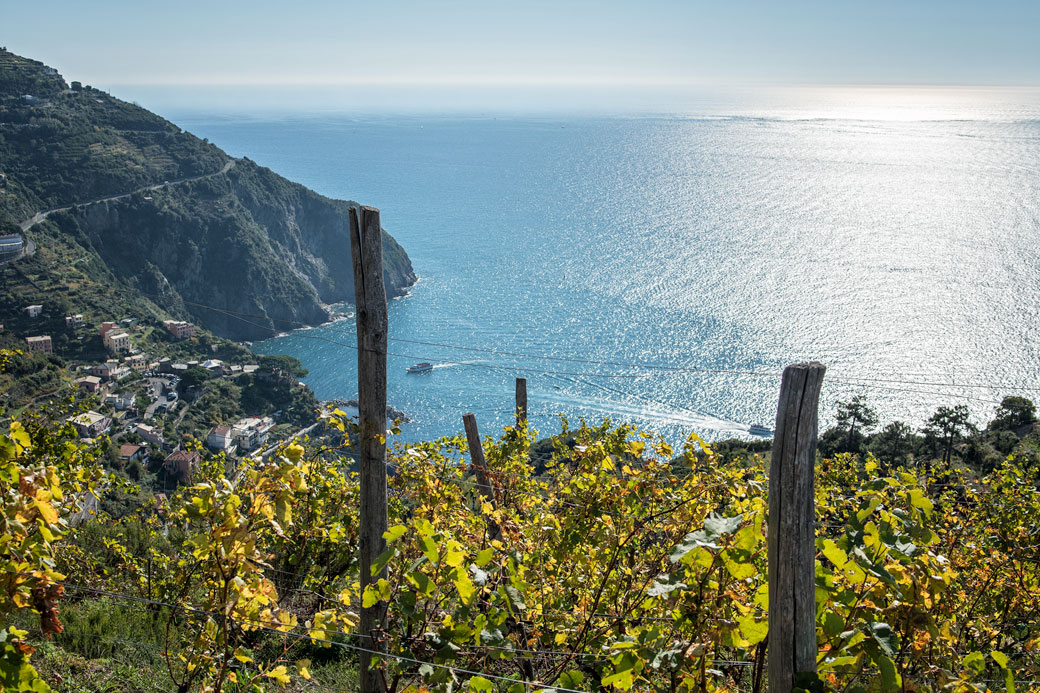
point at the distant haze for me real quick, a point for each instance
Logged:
(609, 55)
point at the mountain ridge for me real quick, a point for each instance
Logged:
(226, 233)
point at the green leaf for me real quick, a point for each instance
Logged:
(833, 624)
(465, 586)
(429, 548)
(1002, 661)
(381, 561)
(394, 533)
(622, 680)
(890, 678)
(484, 557)
(886, 637)
(479, 576)
(479, 683)
(669, 585)
(919, 500)
(421, 581)
(974, 662)
(751, 630)
(740, 570)
(515, 598)
(717, 526)
(834, 554)
(572, 679)
(370, 597)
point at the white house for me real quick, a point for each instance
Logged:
(252, 432)
(220, 438)
(149, 433)
(90, 424)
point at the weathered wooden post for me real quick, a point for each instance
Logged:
(366, 249)
(521, 400)
(476, 454)
(791, 541)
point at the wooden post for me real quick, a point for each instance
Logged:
(791, 541)
(476, 454)
(521, 401)
(366, 249)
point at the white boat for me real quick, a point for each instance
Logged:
(760, 430)
(423, 367)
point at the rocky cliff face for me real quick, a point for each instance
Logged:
(244, 252)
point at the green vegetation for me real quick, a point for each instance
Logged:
(619, 565)
(226, 244)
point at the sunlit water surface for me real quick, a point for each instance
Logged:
(891, 234)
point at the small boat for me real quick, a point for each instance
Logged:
(423, 367)
(760, 430)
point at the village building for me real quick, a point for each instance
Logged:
(110, 370)
(182, 463)
(121, 402)
(90, 383)
(106, 327)
(129, 452)
(214, 365)
(74, 321)
(149, 433)
(220, 438)
(136, 361)
(252, 432)
(116, 341)
(90, 424)
(41, 344)
(33, 311)
(180, 329)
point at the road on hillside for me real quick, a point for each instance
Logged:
(40, 216)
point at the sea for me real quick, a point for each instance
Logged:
(661, 269)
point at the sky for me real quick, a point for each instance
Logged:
(578, 49)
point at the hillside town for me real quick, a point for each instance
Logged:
(157, 393)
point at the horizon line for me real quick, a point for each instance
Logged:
(566, 83)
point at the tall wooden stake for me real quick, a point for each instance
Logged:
(521, 400)
(791, 541)
(476, 454)
(366, 249)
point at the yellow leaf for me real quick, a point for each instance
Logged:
(279, 674)
(47, 512)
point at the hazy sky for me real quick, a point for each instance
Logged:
(599, 44)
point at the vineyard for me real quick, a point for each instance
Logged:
(616, 563)
(606, 560)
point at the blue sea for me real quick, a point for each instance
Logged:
(663, 269)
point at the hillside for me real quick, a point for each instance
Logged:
(189, 225)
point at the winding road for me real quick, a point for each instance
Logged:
(24, 226)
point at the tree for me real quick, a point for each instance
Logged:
(853, 413)
(1013, 413)
(948, 425)
(282, 366)
(193, 377)
(894, 444)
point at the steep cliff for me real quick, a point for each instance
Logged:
(226, 243)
